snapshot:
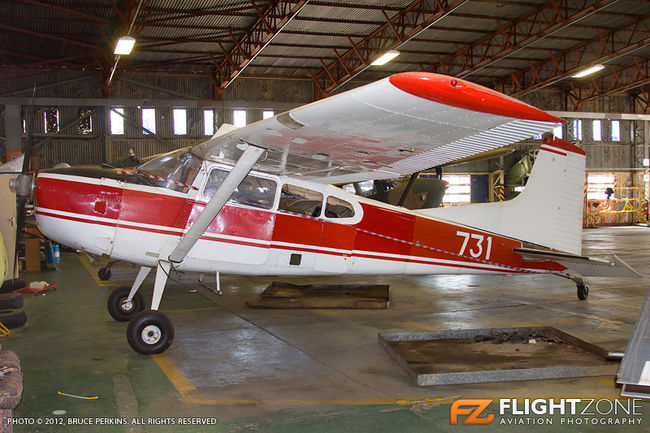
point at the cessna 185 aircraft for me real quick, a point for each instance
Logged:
(259, 200)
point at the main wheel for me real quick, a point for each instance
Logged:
(150, 332)
(583, 291)
(104, 273)
(120, 308)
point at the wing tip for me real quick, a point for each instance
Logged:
(459, 93)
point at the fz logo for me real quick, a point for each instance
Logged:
(473, 408)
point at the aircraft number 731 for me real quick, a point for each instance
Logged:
(479, 244)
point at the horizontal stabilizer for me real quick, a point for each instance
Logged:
(585, 266)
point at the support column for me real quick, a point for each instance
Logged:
(13, 132)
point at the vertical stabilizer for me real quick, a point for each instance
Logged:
(547, 213)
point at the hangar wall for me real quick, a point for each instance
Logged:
(73, 91)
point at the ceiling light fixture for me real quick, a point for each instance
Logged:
(124, 45)
(385, 58)
(588, 71)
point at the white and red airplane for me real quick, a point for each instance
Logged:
(259, 200)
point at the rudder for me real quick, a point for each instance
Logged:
(547, 213)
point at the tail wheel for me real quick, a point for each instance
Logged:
(150, 332)
(583, 291)
(120, 308)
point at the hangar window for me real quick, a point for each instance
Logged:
(208, 122)
(616, 130)
(337, 208)
(300, 200)
(458, 188)
(597, 184)
(148, 120)
(252, 191)
(117, 120)
(180, 121)
(596, 131)
(239, 118)
(51, 118)
(557, 131)
(577, 129)
(267, 113)
(85, 125)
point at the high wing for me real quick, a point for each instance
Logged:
(396, 126)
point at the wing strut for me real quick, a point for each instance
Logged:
(408, 188)
(217, 202)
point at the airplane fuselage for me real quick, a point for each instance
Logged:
(291, 233)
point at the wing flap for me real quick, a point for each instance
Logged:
(585, 266)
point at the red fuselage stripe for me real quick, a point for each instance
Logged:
(302, 249)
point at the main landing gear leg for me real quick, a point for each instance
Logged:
(150, 331)
(125, 302)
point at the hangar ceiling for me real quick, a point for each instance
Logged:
(517, 47)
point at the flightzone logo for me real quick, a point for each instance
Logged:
(544, 411)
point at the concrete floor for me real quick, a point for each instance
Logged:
(302, 370)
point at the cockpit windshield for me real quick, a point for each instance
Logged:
(174, 170)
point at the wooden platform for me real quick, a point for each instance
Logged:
(286, 295)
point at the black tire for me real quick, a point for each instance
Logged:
(104, 273)
(150, 332)
(583, 291)
(10, 285)
(117, 307)
(11, 301)
(13, 318)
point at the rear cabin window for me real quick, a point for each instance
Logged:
(337, 208)
(252, 191)
(300, 200)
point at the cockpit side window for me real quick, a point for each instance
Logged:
(338, 208)
(252, 191)
(303, 201)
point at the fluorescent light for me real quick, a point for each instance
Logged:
(124, 45)
(385, 58)
(588, 71)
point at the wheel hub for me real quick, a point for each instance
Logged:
(151, 334)
(126, 305)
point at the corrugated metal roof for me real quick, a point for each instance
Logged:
(189, 35)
